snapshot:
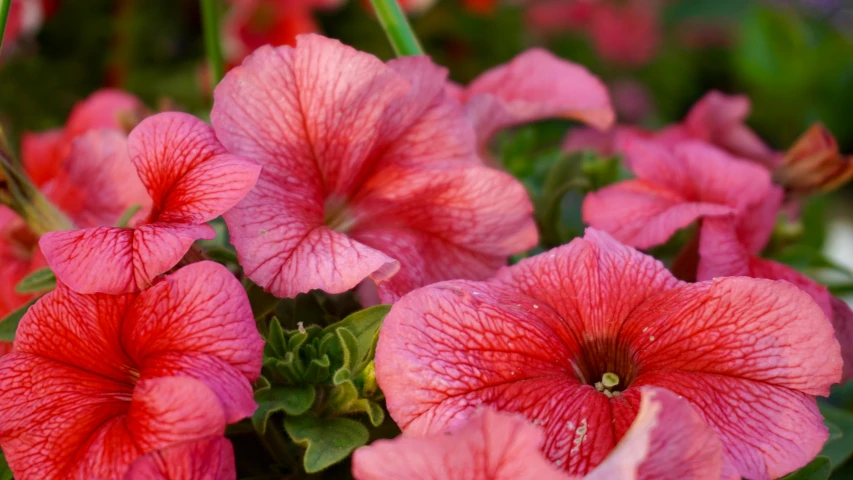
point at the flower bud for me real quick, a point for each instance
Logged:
(813, 164)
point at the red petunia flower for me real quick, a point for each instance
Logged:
(667, 440)
(43, 153)
(368, 169)
(567, 337)
(190, 180)
(208, 459)
(534, 86)
(97, 381)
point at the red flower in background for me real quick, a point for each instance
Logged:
(534, 86)
(190, 179)
(623, 32)
(667, 440)
(568, 337)
(369, 171)
(98, 381)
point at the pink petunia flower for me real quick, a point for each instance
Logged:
(567, 337)
(207, 459)
(42, 153)
(534, 86)
(98, 381)
(190, 179)
(675, 185)
(370, 171)
(667, 440)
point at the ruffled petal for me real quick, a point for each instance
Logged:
(117, 260)
(187, 172)
(207, 459)
(492, 445)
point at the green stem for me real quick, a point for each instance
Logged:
(212, 44)
(5, 5)
(397, 28)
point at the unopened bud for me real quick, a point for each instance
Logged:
(813, 164)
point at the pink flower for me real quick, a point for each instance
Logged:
(19, 256)
(534, 86)
(190, 180)
(25, 18)
(730, 246)
(98, 381)
(208, 459)
(43, 153)
(675, 186)
(369, 172)
(667, 439)
(567, 337)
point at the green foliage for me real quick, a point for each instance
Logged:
(817, 469)
(839, 447)
(327, 440)
(5, 472)
(9, 323)
(41, 280)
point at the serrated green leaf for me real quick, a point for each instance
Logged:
(327, 440)
(364, 326)
(9, 323)
(41, 280)
(817, 469)
(291, 400)
(317, 370)
(839, 447)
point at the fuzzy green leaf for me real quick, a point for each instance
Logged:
(327, 440)
(41, 280)
(291, 400)
(318, 370)
(364, 326)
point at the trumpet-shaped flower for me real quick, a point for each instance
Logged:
(189, 178)
(667, 440)
(370, 171)
(208, 459)
(534, 86)
(567, 337)
(97, 381)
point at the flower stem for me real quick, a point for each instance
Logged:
(5, 5)
(212, 44)
(397, 28)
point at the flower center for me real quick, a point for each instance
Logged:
(605, 365)
(337, 216)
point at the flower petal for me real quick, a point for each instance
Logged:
(491, 445)
(207, 459)
(274, 109)
(750, 329)
(42, 154)
(533, 86)
(447, 348)
(767, 431)
(118, 260)
(842, 322)
(284, 246)
(97, 182)
(49, 410)
(643, 214)
(209, 322)
(102, 109)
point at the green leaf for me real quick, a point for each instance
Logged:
(41, 280)
(344, 399)
(290, 368)
(327, 440)
(262, 302)
(817, 469)
(275, 338)
(127, 215)
(839, 447)
(349, 348)
(9, 324)
(363, 325)
(5, 471)
(222, 255)
(291, 400)
(318, 370)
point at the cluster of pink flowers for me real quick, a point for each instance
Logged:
(335, 171)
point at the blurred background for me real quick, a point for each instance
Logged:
(792, 58)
